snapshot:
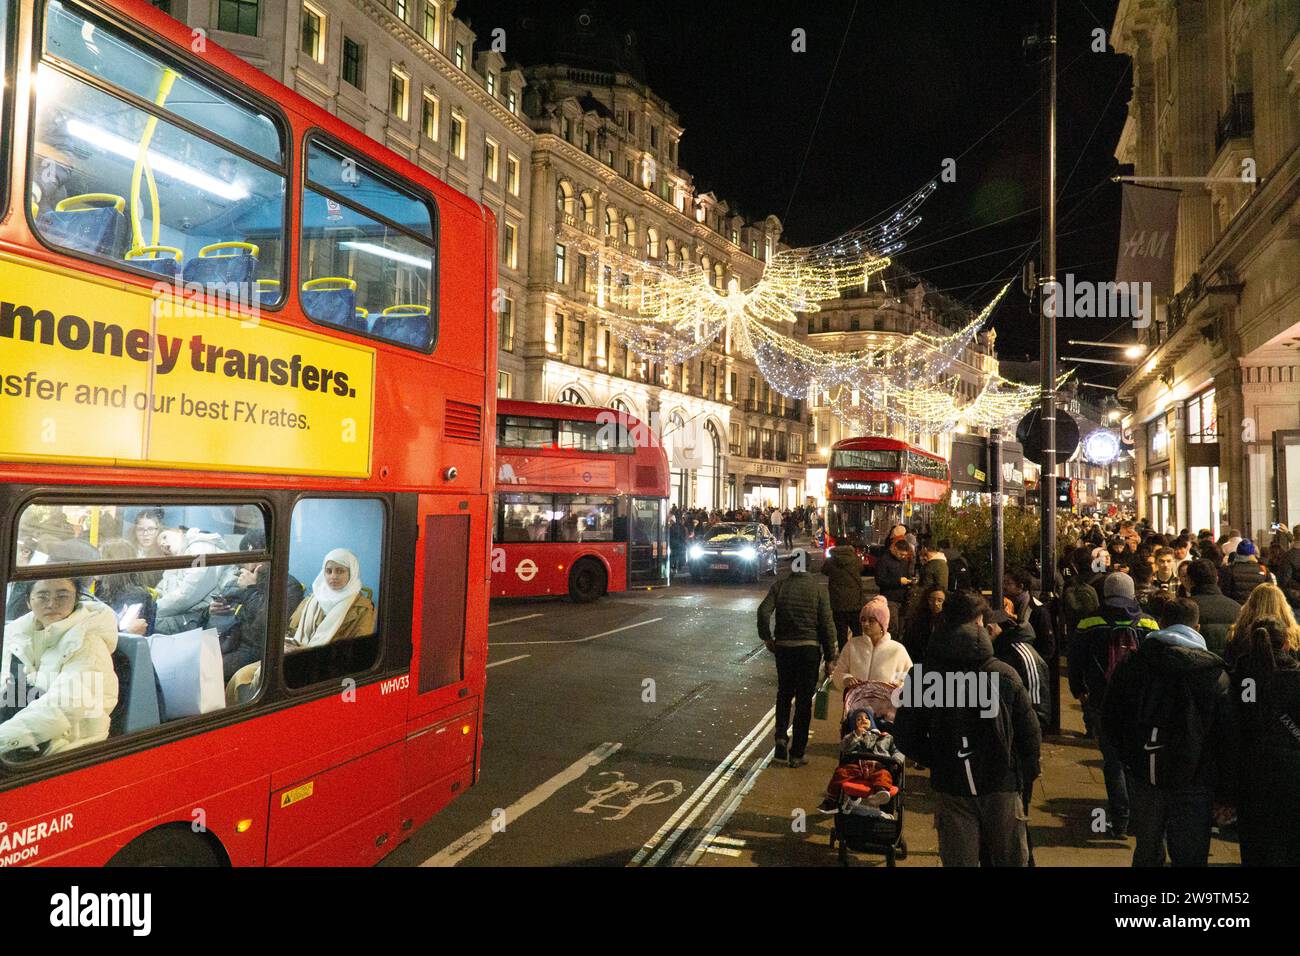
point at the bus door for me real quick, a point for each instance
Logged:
(443, 725)
(647, 551)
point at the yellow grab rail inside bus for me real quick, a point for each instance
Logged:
(249, 247)
(153, 251)
(142, 166)
(90, 201)
(343, 282)
(409, 307)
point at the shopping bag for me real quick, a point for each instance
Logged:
(822, 700)
(188, 666)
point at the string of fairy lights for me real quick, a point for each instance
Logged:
(670, 312)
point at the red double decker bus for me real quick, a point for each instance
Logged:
(245, 360)
(581, 502)
(873, 484)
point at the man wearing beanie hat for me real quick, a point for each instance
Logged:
(1244, 573)
(1100, 642)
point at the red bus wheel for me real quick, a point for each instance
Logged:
(586, 581)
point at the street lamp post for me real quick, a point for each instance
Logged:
(1047, 332)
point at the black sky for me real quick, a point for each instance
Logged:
(919, 81)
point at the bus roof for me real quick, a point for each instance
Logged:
(878, 443)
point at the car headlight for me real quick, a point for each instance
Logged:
(749, 554)
(696, 552)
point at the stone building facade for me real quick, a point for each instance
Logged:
(1216, 403)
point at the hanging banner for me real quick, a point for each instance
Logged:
(1148, 227)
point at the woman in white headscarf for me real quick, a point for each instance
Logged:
(338, 607)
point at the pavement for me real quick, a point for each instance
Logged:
(637, 731)
(765, 829)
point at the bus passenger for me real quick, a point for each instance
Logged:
(128, 594)
(338, 607)
(185, 593)
(65, 644)
(143, 534)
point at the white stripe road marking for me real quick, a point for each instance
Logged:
(709, 797)
(720, 851)
(580, 640)
(508, 660)
(515, 620)
(682, 810)
(724, 814)
(728, 841)
(458, 850)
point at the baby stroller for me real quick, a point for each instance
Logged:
(861, 825)
(863, 828)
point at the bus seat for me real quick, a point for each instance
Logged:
(332, 300)
(92, 222)
(243, 684)
(407, 324)
(170, 268)
(18, 679)
(223, 264)
(137, 688)
(268, 291)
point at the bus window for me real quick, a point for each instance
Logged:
(74, 38)
(113, 177)
(585, 517)
(119, 646)
(6, 89)
(336, 551)
(368, 253)
(867, 459)
(523, 518)
(516, 432)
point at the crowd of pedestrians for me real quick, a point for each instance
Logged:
(1183, 653)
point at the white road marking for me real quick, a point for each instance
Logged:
(458, 850)
(763, 729)
(508, 660)
(515, 620)
(719, 820)
(580, 640)
(727, 841)
(721, 851)
(654, 841)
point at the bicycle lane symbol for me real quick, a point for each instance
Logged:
(661, 791)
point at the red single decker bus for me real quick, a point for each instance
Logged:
(873, 484)
(581, 502)
(246, 359)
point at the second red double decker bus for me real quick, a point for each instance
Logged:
(873, 484)
(581, 502)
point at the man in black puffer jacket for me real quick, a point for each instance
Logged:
(1218, 612)
(983, 754)
(843, 570)
(895, 572)
(1169, 712)
(804, 636)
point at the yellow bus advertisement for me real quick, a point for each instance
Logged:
(99, 372)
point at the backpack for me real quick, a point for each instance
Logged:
(1078, 601)
(1121, 641)
(981, 746)
(959, 574)
(1167, 733)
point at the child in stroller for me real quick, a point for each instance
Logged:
(863, 774)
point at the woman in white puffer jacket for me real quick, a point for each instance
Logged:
(65, 644)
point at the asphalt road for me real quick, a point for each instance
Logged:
(616, 732)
